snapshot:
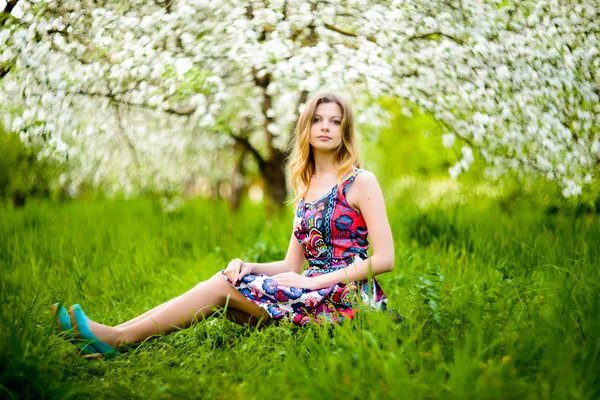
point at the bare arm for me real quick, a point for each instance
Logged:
(372, 206)
(294, 260)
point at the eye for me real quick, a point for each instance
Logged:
(315, 120)
(337, 122)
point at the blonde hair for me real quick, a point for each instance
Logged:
(302, 164)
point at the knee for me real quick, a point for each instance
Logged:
(218, 284)
(215, 281)
(219, 276)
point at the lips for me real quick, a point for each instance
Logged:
(323, 137)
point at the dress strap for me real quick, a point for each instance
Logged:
(348, 182)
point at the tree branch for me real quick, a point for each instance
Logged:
(246, 144)
(59, 31)
(3, 18)
(5, 69)
(346, 33)
(9, 6)
(175, 111)
(430, 34)
(126, 137)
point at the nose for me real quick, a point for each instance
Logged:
(325, 126)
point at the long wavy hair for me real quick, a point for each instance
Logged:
(302, 164)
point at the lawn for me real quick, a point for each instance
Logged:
(496, 304)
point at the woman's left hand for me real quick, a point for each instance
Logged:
(295, 280)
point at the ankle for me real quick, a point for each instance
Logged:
(118, 338)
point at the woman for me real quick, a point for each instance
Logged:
(336, 204)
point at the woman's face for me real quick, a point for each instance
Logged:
(326, 130)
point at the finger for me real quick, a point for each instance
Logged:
(280, 281)
(234, 270)
(231, 273)
(246, 269)
(237, 272)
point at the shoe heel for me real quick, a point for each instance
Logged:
(58, 326)
(62, 321)
(93, 356)
(74, 326)
(88, 349)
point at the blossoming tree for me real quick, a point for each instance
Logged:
(150, 94)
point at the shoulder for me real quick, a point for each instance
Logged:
(366, 179)
(366, 189)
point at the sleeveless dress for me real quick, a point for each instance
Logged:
(333, 236)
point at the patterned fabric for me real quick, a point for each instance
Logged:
(333, 235)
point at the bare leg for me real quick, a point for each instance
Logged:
(145, 315)
(242, 318)
(195, 304)
(232, 314)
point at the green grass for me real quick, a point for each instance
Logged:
(496, 306)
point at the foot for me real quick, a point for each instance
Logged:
(105, 333)
(101, 337)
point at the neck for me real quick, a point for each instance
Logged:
(325, 164)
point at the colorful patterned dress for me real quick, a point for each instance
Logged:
(333, 236)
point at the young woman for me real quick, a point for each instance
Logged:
(336, 203)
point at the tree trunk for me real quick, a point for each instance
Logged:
(18, 200)
(237, 186)
(273, 172)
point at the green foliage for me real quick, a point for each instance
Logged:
(429, 227)
(22, 173)
(411, 149)
(193, 82)
(495, 305)
(410, 146)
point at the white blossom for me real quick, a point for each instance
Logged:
(448, 140)
(455, 170)
(516, 83)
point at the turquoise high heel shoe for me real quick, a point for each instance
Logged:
(84, 335)
(65, 329)
(63, 322)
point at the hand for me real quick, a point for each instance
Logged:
(295, 280)
(236, 270)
